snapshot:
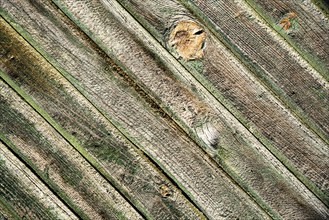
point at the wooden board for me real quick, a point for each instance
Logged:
(160, 102)
(172, 94)
(24, 195)
(126, 166)
(303, 25)
(247, 99)
(158, 137)
(57, 163)
(279, 67)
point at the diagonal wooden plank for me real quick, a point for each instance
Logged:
(7, 212)
(27, 196)
(57, 163)
(323, 5)
(158, 82)
(302, 25)
(207, 185)
(300, 150)
(129, 170)
(273, 61)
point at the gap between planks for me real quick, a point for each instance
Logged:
(125, 17)
(260, 74)
(148, 11)
(175, 191)
(115, 194)
(28, 176)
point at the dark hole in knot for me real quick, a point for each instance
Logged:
(199, 32)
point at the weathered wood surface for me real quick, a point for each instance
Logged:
(57, 163)
(247, 99)
(174, 127)
(278, 66)
(24, 195)
(207, 186)
(302, 25)
(129, 170)
(174, 96)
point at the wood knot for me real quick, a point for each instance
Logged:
(165, 191)
(288, 21)
(188, 39)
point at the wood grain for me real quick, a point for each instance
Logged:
(129, 170)
(25, 194)
(274, 63)
(206, 185)
(57, 163)
(264, 116)
(307, 32)
(173, 95)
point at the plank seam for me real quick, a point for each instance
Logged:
(263, 140)
(153, 162)
(15, 152)
(254, 197)
(287, 40)
(294, 110)
(259, 73)
(70, 140)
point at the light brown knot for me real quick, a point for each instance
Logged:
(188, 38)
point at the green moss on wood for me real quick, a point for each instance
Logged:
(323, 5)
(13, 192)
(8, 212)
(295, 25)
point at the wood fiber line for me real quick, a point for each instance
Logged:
(130, 171)
(25, 193)
(58, 163)
(207, 186)
(132, 47)
(279, 67)
(323, 5)
(222, 74)
(307, 30)
(7, 211)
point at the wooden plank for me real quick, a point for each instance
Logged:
(129, 170)
(57, 163)
(25, 194)
(301, 24)
(280, 131)
(273, 61)
(206, 185)
(174, 95)
(7, 212)
(323, 5)
(232, 159)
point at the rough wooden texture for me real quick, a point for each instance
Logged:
(128, 169)
(57, 163)
(278, 66)
(183, 104)
(25, 194)
(295, 145)
(323, 5)
(206, 185)
(306, 29)
(121, 106)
